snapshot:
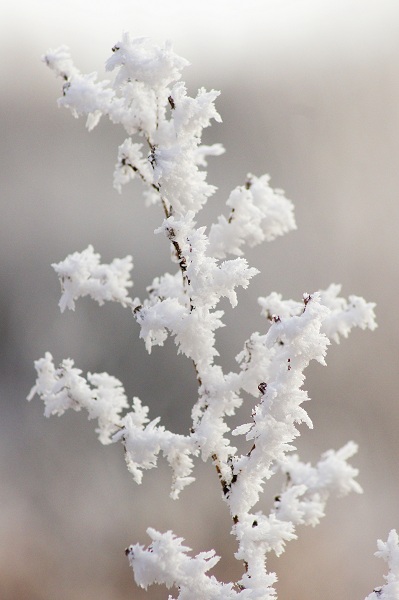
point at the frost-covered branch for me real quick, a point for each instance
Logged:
(163, 149)
(389, 552)
(166, 562)
(81, 274)
(64, 387)
(258, 213)
(343, 316)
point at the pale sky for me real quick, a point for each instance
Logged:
(212, 29)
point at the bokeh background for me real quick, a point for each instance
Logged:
(310, 94)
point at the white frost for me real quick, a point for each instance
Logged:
(82, 274)
(164, 127)
(389, 552)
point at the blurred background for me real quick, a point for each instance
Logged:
(310, 94)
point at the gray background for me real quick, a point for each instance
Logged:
(310, 94)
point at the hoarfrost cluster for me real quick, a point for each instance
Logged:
(163, 149)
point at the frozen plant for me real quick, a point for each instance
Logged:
(163, 148)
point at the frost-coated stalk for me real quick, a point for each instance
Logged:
(164, 150)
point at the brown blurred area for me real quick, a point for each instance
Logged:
(324, 122)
